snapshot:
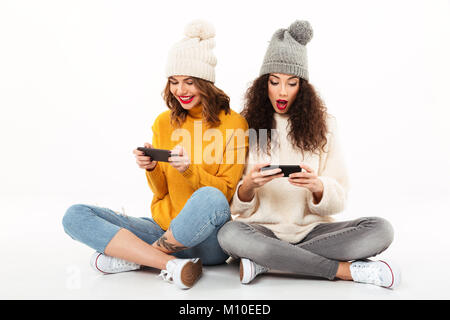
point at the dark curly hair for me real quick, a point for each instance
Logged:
(212, 98)
(307, 115)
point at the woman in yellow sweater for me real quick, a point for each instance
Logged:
(191, 192)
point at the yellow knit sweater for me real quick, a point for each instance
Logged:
(217, 160)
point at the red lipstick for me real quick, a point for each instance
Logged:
(186, 99)
(281, 104)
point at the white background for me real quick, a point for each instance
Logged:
(81, 83)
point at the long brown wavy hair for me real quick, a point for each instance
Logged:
(307, 115)
(212, 99)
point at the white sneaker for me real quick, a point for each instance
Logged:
(106, 264)
(379, 273)
(183, 272)
(248, 270)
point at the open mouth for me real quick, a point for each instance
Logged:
(281, 104)
(186, 99)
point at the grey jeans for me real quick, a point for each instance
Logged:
(318, 254)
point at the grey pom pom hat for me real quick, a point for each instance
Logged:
(287, 51)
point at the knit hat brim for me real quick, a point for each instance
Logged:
(279, 67)
(193, 68)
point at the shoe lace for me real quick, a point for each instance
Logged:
(118, 264)
(259, 269)
(370, 272)
(166, 275)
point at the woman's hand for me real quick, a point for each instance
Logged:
(255, 179)
(308, 179)
(143, 161)
(180, 160)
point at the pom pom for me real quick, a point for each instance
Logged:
(301, 31)
(200, 29)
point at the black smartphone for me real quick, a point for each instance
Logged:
(157, 154)
(285, 169)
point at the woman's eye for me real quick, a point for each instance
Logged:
(174, 83)
(273, 83)
(190, 83)
(293, 84)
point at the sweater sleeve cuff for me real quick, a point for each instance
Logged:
(240, 207)
(155, 174)
(333, 198)
(188, 172)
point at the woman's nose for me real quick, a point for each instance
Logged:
(283, 91)
(180, 89)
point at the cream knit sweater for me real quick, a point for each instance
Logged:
(288, 210)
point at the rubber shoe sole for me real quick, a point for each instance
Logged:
(241, 270)
(246, 277)
(396, 275)
(191, 272)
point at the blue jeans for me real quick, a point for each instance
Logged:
(195, 227)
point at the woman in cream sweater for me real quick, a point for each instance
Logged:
(286, 223)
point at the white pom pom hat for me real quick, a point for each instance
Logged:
(193, 55)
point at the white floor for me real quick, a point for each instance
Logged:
(39, 261)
